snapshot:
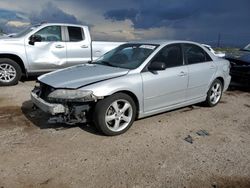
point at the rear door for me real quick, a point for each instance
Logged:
(167, 87)
(201, 70)
(78, 46)
(50, 53)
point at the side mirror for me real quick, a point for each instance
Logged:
(34, 38)
(157, 66)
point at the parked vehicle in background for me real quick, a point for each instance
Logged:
(216, 53)
(2, 35)
(134, 80)
(47, 47)
(240, 66)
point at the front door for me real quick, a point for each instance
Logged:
(50, 53)
(167, 87)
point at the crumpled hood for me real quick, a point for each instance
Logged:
(240, 55)
(81, 75)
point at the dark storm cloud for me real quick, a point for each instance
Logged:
(200, 20)
(51, 13)
(191, 19)
(153, 13)
(157, 13)
(7, 14)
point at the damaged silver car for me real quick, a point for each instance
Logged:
(134, 80)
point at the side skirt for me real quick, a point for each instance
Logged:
(168, 108)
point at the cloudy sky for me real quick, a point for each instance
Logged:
(119, 20)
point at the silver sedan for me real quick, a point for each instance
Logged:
(135, 80)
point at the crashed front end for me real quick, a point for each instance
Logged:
(69, 106)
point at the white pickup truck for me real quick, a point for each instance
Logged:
(47, 47)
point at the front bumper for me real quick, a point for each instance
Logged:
(227, 82)
(240, 75)
(50, 108)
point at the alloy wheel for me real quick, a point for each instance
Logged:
(216, 92)
(118, 115)
(7, 73)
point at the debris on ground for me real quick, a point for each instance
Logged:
(202, 133)
(189, 139)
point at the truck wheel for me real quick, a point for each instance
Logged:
(115, 114)
(214, 93)
(10, 72)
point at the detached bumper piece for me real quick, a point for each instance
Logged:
(52, 109)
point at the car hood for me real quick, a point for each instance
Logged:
(243, 56)
(6, 39)
(81, 75)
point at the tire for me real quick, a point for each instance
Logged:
(214, 93)
(10, 72)
(115, 114)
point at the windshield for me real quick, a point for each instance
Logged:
(129, 56)
(25, 31)
(247, 48)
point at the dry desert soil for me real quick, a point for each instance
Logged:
(153, 153)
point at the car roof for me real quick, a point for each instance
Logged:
(163, 42)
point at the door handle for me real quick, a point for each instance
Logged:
(182, 73)
(59, 46)
(84, 46)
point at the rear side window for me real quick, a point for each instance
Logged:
(75, 34)
(195, 54)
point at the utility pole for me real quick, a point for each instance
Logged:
(219, 39)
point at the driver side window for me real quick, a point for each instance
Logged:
(50, 34)
(171, 55)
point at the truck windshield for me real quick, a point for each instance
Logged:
(129, 56)
(25, 31)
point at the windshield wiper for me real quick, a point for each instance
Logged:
(105, 63)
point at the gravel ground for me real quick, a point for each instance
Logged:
(153, 153)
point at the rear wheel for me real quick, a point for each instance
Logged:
(214, 93)
(115, 114)
(10, 72)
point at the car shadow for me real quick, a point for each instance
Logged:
(238, 88)
(30, 78)
(40, 119)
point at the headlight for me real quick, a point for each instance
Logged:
(61, 95)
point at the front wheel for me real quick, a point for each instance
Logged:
(10, 72)
(115, 114)
(214, 93)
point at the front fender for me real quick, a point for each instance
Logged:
(130, 82)
(15, 48)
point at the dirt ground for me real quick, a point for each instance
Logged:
(153, 153)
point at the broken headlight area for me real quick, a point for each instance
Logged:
(76, 113)
(65, 105)
(42, 90)
(64, 95)
(77, 103)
